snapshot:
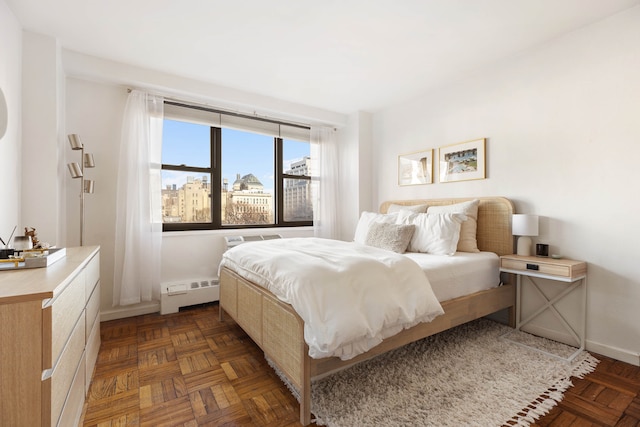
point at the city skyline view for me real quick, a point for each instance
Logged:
(242, 153)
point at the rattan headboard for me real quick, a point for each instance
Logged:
(494, 220)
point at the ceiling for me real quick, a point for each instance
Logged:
(339, 55)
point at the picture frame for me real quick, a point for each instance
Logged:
(416, 168)
(462, 161)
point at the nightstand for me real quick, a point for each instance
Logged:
(570, 273)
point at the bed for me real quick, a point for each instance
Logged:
(279, 330)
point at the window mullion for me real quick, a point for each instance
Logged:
(279, 182)
(216, 177)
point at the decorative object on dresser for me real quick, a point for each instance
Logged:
(50, 339)
(524, 225)
(570, 273)
(77, 171)
(31, 258)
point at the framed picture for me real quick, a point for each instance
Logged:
(415, 168)
(462, 161)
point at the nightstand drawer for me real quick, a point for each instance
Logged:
(568, 269)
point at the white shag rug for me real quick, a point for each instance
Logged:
(467, 376)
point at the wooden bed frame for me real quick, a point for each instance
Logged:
(279, 331)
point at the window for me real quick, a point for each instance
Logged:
(296, 181)
(229, 171)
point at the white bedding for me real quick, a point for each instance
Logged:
(461, 274)
(350, 296)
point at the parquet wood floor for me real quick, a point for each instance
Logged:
(610, 396)
(188, 369)
(184, 369)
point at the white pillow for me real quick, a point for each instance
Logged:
(468, 241)
(368, 218)
(392, 237)
(435, 234)
(411, 208)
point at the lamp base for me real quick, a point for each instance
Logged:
(524, 246)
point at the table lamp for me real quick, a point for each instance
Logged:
(524, 225)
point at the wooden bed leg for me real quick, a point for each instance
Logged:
(305, 392)
(220, 314)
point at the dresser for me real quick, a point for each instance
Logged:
(49, 339)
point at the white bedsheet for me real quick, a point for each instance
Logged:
(350, 296)
(461, 274)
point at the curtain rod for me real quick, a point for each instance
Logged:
(179, 103)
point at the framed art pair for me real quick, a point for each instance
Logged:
(457, 162)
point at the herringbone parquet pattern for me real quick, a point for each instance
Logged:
(188, 369)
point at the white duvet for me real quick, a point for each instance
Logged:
(350, 296)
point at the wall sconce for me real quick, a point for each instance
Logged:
(77, 171)
(524, 226)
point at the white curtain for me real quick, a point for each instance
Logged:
(325, 182)
(139, 202)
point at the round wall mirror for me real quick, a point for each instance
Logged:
(3, 114)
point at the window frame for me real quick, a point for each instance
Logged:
(215, 171)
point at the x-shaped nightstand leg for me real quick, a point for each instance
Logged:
(549, 304)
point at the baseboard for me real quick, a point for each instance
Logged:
(592, 346)
(614, 352)
(130, 311)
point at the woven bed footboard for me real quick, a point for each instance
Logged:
(274, 326)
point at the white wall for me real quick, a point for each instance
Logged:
(94, 106)
(43, 138)
(355, 171)
(10, 143)
(564, 143)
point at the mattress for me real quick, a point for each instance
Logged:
(461, 274)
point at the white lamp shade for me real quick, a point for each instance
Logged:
(524, 225)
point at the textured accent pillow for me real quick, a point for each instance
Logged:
(468, 241)
(368, 218)
(412, 208)
(392, 237)
(435, 234)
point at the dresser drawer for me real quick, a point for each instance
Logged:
(65, 369)
(91, 352)
(92, 275)
(93, 308)
(65, 311)
(72, 409)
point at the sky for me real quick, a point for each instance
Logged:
(242, 152)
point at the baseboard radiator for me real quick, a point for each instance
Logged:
(176, 295)
(184, 293)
